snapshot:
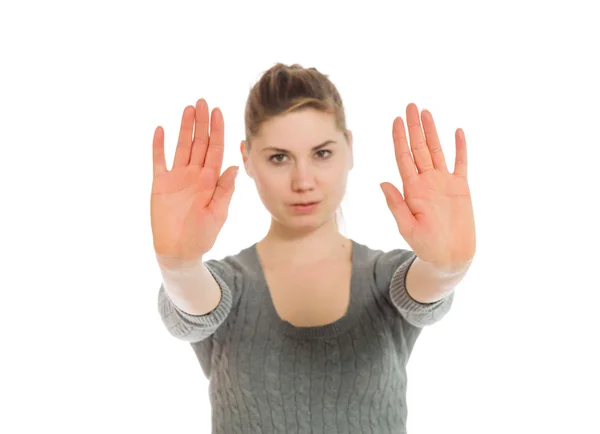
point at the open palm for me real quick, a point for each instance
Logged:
(435, 215)
(189, 203)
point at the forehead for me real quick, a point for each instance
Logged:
(304, 128)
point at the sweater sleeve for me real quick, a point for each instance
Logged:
(391, 269)
(195, 328)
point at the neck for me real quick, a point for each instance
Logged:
(297, 246)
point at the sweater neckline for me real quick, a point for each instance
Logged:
(330, 330)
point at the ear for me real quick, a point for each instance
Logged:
(350, 142)
(244, 152)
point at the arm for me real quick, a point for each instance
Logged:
(191, 287)
(392, 271)
(434, 216)
(193, 301)
(426, 283)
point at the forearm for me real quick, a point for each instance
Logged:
(427, 283)
(191, 287)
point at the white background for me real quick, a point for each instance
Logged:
(83, 86)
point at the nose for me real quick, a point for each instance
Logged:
(302, 177)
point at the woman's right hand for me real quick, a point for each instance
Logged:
(189, 204)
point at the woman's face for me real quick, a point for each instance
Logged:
(300, 157)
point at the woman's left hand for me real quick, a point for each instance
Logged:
(435, 215)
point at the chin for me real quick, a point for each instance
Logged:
(313, 219)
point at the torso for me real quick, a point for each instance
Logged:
(312, 295)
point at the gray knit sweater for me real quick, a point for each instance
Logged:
(267, 376)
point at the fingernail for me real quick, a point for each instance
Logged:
(236, 172)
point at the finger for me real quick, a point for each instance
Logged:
(200, 142)
(224, 190)
(159, 164)
(433, 142)
(402, 214)
(404, 159)
(460, 161)
(184, 144)
(417, 140)
(214, 154)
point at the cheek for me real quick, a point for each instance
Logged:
(337, 180)
(268, 185)
(338, 187)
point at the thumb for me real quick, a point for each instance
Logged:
(225, 188)
(397, 205)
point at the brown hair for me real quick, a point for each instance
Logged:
(287, 88)
(283, 89)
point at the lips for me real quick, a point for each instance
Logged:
(303, 203)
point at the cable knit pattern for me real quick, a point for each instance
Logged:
(268, 376)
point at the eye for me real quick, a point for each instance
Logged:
(324, 150)
(277, 158)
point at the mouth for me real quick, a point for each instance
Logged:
(304, 206)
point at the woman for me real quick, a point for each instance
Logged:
(305, 330)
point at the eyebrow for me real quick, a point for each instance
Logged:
(327, 142)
